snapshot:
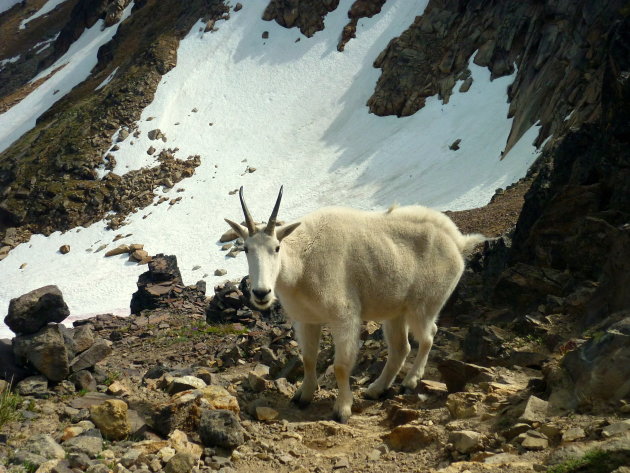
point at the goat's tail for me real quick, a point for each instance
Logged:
(467, 243)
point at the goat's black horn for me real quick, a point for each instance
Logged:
(249, 221)
(271, 224)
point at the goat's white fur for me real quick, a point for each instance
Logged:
(340, 266)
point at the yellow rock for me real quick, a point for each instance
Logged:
(111, 419)
(179, 441)
(218, 397)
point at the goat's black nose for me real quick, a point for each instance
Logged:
(261, 293)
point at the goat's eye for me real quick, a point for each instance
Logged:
(246, 250)
(277, 249)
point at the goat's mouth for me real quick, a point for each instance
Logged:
(262, 304)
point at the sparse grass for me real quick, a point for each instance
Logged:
(111, 377)
(595, 461)
(198, 330)
(10, 402)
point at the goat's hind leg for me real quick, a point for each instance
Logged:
(346, 338)
(423, 331)
(395, 331)
(308, 338)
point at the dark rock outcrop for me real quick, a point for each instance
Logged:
(33, 310)
(359, 9)
(162, 285)
(306, 15)
(558, 48)
(220, 428)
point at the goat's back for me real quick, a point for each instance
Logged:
(383, 261)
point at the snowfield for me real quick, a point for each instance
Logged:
(296, 112)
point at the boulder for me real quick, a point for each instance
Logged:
(89, 443)
(111, 419)
(409, 438)
(596, 373)
(83, 338)
(44, 445)
(33, 310)
(185, 383)
(465, 441)
(180, 463)
(535, 410)
(99, 350)
(9, 369)
(457, 374)
(220, 428)
(45, 351)
(36, 386)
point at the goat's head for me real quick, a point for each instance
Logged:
(263, 247)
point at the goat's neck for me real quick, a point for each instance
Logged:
(290, 269)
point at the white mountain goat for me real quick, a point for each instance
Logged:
(340, 266)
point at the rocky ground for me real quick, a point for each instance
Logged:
(191, 386)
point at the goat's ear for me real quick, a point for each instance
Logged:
(286, 230)
(239, 229)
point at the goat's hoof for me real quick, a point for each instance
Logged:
(341, 418)
(301, 403)
(373, 394)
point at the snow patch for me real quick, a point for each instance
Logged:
(107, 80)
(7, 4)
(49, 6)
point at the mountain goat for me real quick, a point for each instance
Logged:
(340, 266)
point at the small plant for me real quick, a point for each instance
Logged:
(594, 461)
(29, 467)
(9, 404)
(111, 377)
(82, 392)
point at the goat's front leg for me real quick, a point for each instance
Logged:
(346, 338)
(308, 338)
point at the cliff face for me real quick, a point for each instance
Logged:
(558, 49)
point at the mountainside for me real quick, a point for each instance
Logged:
(126, 130)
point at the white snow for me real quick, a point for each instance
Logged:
(77, 64)
(49, 6)
(7, 4)
(107, 80)
(296, 112)
(44, 44)
(4, 62)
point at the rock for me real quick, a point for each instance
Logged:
(83, 338)
(238, 6)
(180, 442)
(111, 419)
(265, 34)
(117, 389)
(45, 351)
(184, 383)
(155, 134)
(457, 374)
(98, 351)
(403, 416)
(138, 255)
(44, 445)
(343, 462)
(409, 438)
(463, 405)
(533, 440)
(483, 343)
(284, 387)
(573, 434)
(64, 249)
(598, 371)
(33, 310)
(455, 145)
(83, 380)
(36, 386)
(220, 272)
(151, 150)
(220, 428)
(535, 410)
(217, 397)
(9, 368)
(465, 441)
(616, 428)
(266, 413)
(180, 463)
(122, 135)
(90, 443)
(119, 250)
